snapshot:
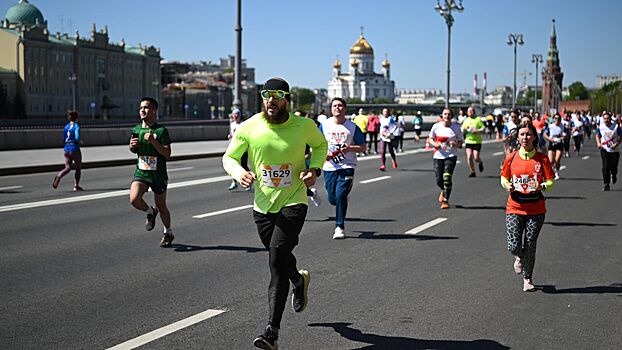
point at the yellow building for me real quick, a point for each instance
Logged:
(108, 78)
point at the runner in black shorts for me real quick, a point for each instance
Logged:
(151, 142)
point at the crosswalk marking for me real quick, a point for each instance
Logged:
(181, 169)
(585, 157)
(376, 179)
(425, 226)
(498, 153)
(224, 211)
(166, 330)
(562, 167)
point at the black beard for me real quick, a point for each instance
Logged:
(279, 118)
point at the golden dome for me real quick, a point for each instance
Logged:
(354, 62)
(337, 64)
(361, 46)
(386, 63)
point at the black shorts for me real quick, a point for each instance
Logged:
(556, 146)
(158, 186)
(418, 132)
(474, 146)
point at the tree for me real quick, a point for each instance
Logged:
(607, 97)
(354, 101)
(577, 91)
(302, 98)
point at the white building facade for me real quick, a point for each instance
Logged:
(360, 81)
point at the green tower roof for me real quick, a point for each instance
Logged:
(24, 13)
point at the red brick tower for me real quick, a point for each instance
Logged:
(552, 76)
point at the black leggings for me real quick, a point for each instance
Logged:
(530, 225)
(610, 164)
(279, 234)
(373, 138)
(443, 171)
(383, 150)
(578, 140)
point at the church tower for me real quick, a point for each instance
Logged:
(552, 76)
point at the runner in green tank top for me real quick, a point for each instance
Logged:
(472, 128)
(151, 142)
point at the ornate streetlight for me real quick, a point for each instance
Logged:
(445, 12)
(515, 39)
(237, 102)
(537, 59)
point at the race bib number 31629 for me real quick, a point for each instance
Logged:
(278, 175)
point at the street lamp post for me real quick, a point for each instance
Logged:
(445, 12)
(73, 79)
(237, 102)
(515, 39)
(537, 59)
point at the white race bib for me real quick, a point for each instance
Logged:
(276, 176)
(147, 162)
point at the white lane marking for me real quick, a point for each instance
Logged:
(166, 330)
(585, 157)
(376, 179)
(224, 211)
(181, 169)
(562, 167)
(498, 153)
(10, 188)
(458, 162)
(90, 197)
(425, 226)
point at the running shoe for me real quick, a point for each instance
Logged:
(300, 294)
(472, 175)
(481, 167)
(606, 188)
(267, 341)
(382, 168)
(445, 205)
(441, 197)
(394, 165)
(55, 182)
(339, 233)
(518, 265)
(151, 219)
(249, 188)
(315, 197)
(556, 174)
(167, 239)
(528, 286)
(77, 188)
(233, 186)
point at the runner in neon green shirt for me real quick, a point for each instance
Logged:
(472, 128)
(276, 142)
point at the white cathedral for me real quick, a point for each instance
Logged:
(361, 82)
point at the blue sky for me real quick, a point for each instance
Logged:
(299, 39)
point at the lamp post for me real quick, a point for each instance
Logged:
(73, 79)
(445, 12)
(515, 39)
(537, 59)
(237, 102)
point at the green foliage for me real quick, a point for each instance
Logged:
(577, 91)
(354, 101)
(606, 97)
(378, 101)
(302, 98)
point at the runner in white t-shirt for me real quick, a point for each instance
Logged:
(446, 137)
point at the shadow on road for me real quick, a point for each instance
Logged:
(614, 288)
(418, 170)
(378, 342)
(185, 248)
(375, 235)
(564, 197)
(591, 224)
(480, 207)
(332, 218)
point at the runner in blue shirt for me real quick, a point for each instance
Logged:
(73, 155)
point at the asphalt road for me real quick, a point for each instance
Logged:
(79, 271)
